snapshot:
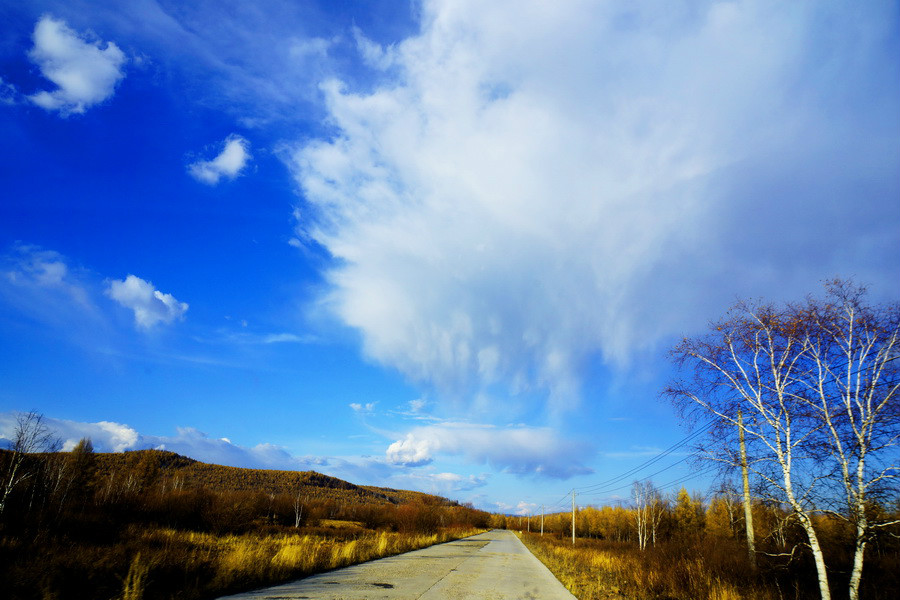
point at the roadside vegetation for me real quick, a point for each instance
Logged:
(152, 525)
(700, 553)
(800, 406)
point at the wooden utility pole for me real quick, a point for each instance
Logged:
(748, 513)
(542, 520)
(573, 517)
(529, 522)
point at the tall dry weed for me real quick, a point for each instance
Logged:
(136, 579)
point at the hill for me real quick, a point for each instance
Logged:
(124, 469)
(153, 525)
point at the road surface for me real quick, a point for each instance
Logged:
(489, 566)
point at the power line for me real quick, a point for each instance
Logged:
(647, 463)
(601, 487)
(651, 475)
(682, 479)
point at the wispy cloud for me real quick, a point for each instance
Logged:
(151, 307)
(367, 408)
(8, 93)
(444, 484)
(417, 410)
(286, 338)
(228, 164)
(33, 267)
(251, 338)
(637, 452)
(85, 73)
(500, 212)
(519, 450)
(44, 286)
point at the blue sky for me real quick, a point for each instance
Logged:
(437, 245)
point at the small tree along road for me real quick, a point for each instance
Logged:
(814, 388)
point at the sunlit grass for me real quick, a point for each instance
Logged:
(251, 560)
(592, 571)
(153, 563)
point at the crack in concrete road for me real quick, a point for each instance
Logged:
(489, 566)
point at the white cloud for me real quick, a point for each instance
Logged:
(535, 184)
(35, 267)
(522, 508)
(251, 338)
(8, 93)
(519, 450)
(228, 164)
(285, 338)
(106, 436)
(366, 408)
(151, 307)
(84, 73)
(41, 283)
(372, 54)
(418, 410)
(444, 484)
(304, 49)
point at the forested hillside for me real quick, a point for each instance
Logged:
(154, 524)
(180, 472)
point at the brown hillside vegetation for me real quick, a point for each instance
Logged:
(154, 525)
(185, 473)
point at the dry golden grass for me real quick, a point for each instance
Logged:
(592, 572)
(251, 560)
(340, 524)
(135, 580)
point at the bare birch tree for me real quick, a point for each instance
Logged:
(298, 506)
(818, 392)
(641, 512)
(30, 435)
(853, 390)
(745, 367)
(650, 506)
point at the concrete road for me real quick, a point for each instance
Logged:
(488, 566)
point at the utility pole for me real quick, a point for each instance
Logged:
(542, 520)
(748, 513)
(529, 522)
(573, 517)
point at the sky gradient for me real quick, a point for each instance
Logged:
(437, 245)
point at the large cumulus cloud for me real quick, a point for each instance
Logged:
(533, 184)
